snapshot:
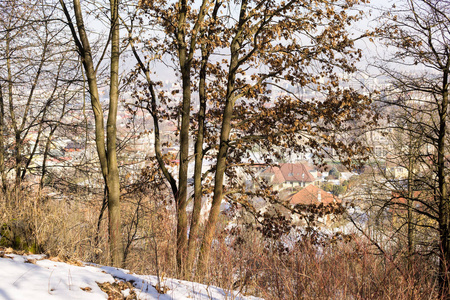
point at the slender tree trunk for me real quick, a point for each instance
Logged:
(198, 191)
(2, 144)
(152, 108)
(113, 170)
(231, 97)
(108, 159)
(210, 228)
(185, 52)
(185, 56)
(410, 228)
(49, 139)
(195, 220)
(17, 148)
(52, 129)
(45, 156)
(444, 205)
(181, 197)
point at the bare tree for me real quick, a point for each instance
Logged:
(106, 151)
(39, 79)
(418, 35)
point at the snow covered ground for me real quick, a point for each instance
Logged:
(34, 277)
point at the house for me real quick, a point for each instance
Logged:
(396, 171)
(312, 195)
(73, 146)
(287, 175)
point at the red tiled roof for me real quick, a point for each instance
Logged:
(276, 172)
(289, 172)
(310, 195)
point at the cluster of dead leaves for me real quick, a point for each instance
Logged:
(114, 290)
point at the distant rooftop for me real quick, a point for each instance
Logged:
(313, 195)
(289, 172)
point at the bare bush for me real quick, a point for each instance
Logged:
(300, 268)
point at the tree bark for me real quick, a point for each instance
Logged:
(113, 170)
(198, 154)
(409, 204)
(198, 151)
(2, 144)
(230, 100)
(185, 56)
(107, 156)
(444, 205)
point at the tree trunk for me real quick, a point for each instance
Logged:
(45, 156)
(17, 149)
(108, 159)
(444, 205)
(410, 228)
(218, 190)
(181, 197)
(195, 220)
(231, 97)
(113, 170)
(2, 145)
(230, 100)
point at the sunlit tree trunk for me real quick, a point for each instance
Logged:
(210, 228)
(198, 154)
(106, 152)
(409, 204)
(444, 203)
(111, 135)
(185, 57)
(2, 144)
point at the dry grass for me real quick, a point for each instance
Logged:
(62, 228)
(243, 261)
(339, 270)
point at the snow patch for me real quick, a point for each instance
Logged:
(33, 277)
